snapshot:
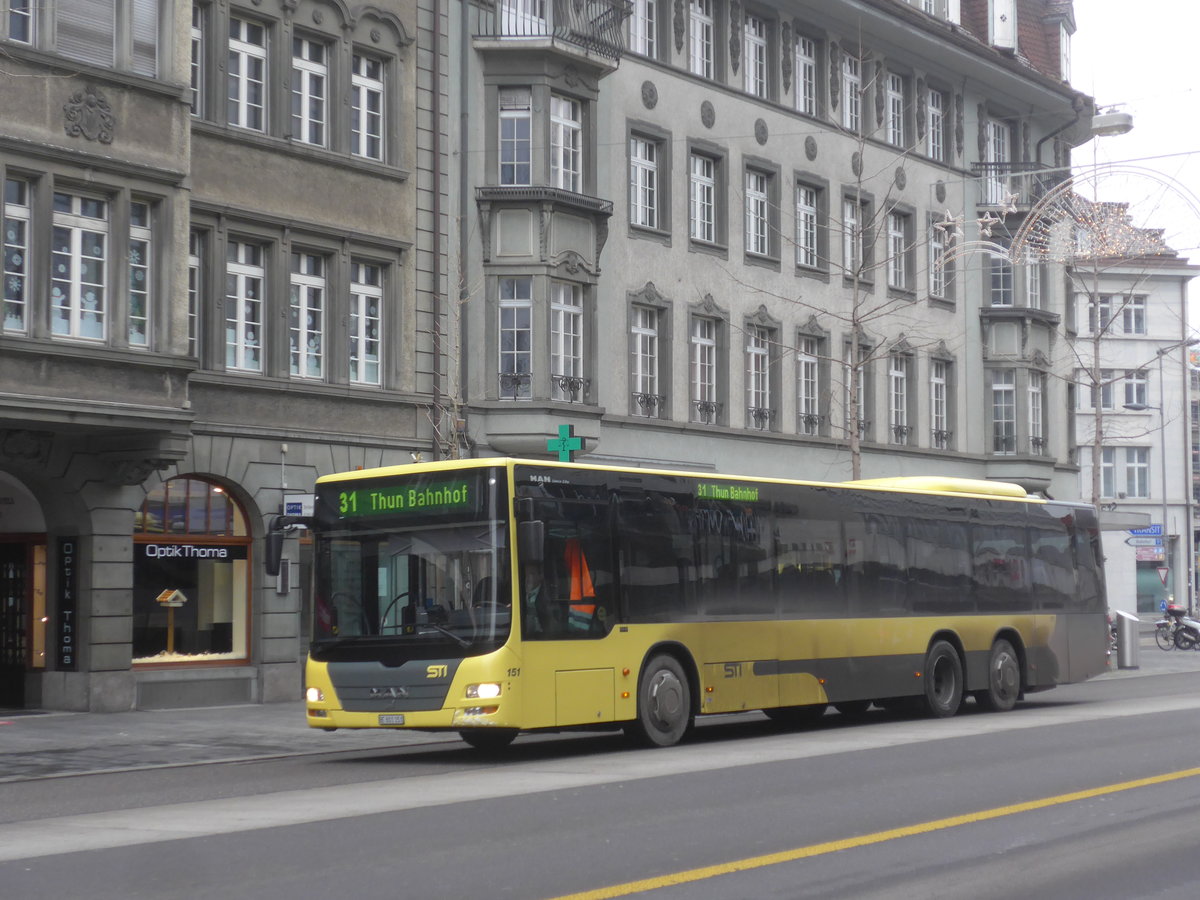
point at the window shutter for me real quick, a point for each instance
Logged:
(1004, 23)
(145, 37)
(86, 30)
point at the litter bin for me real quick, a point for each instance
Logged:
(1127, 640)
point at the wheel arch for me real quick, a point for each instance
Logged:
(682, 656)
(951, 638)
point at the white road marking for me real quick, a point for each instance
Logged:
(123, 828)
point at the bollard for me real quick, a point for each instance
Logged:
(1127, 640)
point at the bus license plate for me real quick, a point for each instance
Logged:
(391, 720)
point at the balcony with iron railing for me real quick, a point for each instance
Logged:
(1016, 184)
(593, 26)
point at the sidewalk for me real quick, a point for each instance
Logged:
(35, 744)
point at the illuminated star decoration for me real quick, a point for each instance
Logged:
(1010, 204)
(986, 223)
(949, 226)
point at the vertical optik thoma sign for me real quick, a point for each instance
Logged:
(68, 603)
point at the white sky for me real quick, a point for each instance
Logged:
(1144, 56)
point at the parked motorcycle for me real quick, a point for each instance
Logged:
(1177, 629)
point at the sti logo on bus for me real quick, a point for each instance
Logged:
(437, 671)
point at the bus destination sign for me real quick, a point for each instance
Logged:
(399, 499)
(724, 491)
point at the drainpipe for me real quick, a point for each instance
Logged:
(436, 248)
(1078, 106)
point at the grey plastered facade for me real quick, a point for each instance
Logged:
(92, 424)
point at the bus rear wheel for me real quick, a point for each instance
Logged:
(664, 704)
(943, 680)
(1004, 679)
(487, 739)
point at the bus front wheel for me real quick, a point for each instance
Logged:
(664, 704)
(943, 680)
(1004, 679)
(488, 740)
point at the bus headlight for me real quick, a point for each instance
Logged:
(486, 691)
(314, 695)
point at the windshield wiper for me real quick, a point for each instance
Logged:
(461, 641)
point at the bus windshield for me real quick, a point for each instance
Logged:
(412, 576)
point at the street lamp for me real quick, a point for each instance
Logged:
(1185, 539)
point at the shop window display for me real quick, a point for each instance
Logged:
(191, 575)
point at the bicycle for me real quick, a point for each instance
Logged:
(1164, 633)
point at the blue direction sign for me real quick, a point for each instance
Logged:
(1148, 530)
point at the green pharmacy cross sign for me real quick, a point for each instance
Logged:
(566, 444)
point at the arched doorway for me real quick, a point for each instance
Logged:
(191, 576)
(23, 614)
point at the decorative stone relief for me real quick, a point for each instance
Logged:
(835, 75)
(708, 115)
(134, 471)
(856, 163)
(922, 108)
(760, 131)
(88, 115)
(880, 95)
(900, 178)
(736, 21)
(27, 446)
(810, 148)
(939, 191)
(649, 95)
(679, 25)
(785, 55)
(981, 135)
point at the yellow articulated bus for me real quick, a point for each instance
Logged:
(494, 596)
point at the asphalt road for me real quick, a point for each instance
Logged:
(1067, 796)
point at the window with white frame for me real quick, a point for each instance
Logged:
(566, 341)
(1133, 315)
(1099, 313)
(644, 374)
(16, 256)
(516, 338)
(247, 74)
(643, 28)
(516, 136)
(938, 262)
(1108, 471)
(566, 143)
(1004, 411)
(1037, 422)
(306, 317)
(196, 66)
(939, 404)
(366, 322)
(851, 93)
(702, 205)
(245, 277)
(523, 18)
(997, 154)
(894, 110)
(195, 289)
(79, 267)
(366, 106)
(1102, 391)
(854, 243)
(758, 218)
(758, 377)
(806, 75)
(898, 366)
(755, 71)
(310, 75)
(643, 182)
(701, 38)
(1033, 286)
(21, 21)
(808, 385)
(899, 242)
(808, 251)
(1000, 282)
(703, 370)
(1135, 388)
(935, 125)
(141, 259)
(1064, 52)
(1137, 472)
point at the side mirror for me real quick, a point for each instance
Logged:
(531, 537)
